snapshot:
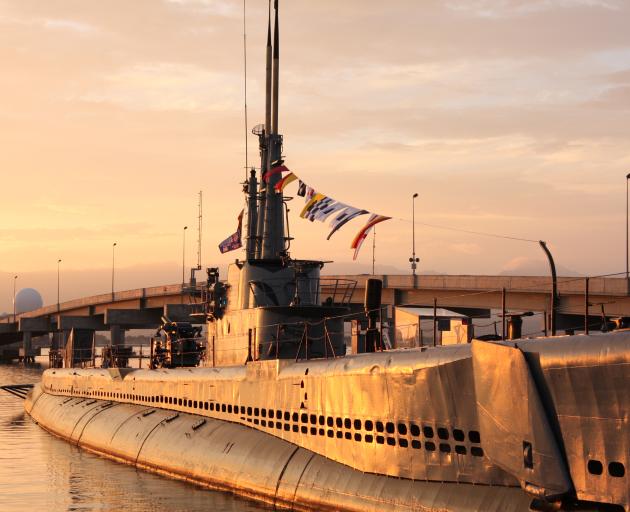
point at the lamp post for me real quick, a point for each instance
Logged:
(184, 256)
(58, 262)
(554, 287)
(413, 260)
(627, 250)
(14, 314)
(113, 266)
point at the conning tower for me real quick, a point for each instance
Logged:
(272, 306)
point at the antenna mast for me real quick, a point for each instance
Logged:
(245, 81)
(199, 229)
(273, 238)
(193, 280)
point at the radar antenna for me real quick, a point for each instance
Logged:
(193, 280)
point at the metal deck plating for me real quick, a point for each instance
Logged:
(546, 418)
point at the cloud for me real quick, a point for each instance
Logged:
(168, 87)
(57, 24)
(22, 236)
(622, 76)
(524, 266)
(466, 248)
(216, 7)
(69, 25)
(616, 98)
(477, 217)
(512, 8)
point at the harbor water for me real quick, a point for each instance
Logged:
(41, 472)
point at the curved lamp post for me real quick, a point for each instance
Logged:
(554, 286)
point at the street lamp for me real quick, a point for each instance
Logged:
(554, 286)
(58, 262)
(413, 260)
(113, 261)
(184, 257)
(627, 250)
(14, 315)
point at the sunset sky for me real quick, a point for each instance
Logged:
(506, 116)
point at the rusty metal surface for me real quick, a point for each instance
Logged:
(251, 463)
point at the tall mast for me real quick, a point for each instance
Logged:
(193, 279)
(273, 240)
(199, 229)
(268, 80)
(264, 145)
(276, 72)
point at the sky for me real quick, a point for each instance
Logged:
(505, 116)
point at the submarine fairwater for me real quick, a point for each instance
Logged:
(275, 410)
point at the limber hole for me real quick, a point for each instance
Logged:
(595, 467)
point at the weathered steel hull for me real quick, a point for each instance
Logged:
(534, 419)
(232, 457)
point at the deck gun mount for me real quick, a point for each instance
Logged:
(176, 344)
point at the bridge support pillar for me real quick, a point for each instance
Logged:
(58, 340)
(398, 300)
(26, 353)
(117, 334)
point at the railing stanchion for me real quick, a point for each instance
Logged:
(503, 319)
(586, 305)
(434, 321)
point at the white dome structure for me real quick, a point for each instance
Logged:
(28, 299)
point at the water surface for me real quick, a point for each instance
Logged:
(40, 472)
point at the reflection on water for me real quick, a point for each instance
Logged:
(41, 472)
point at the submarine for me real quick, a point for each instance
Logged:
(272, 408)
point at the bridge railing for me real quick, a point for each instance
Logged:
(607, 286)
(105, 298)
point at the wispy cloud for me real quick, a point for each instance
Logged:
(22, 236)
(616, 98)
(466, 248)
(511, 8)
(69, 25)
(168, 86)
(57, 24)
(215, 7)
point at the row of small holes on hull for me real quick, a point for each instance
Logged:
(307, 424)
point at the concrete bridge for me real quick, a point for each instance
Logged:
(521, 293)
(474, 295)
(141, 308)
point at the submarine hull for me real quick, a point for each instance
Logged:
(227, 456)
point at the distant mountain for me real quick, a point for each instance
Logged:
(522, 266)
(350, 268)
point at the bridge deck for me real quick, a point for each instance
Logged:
(466, 291)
